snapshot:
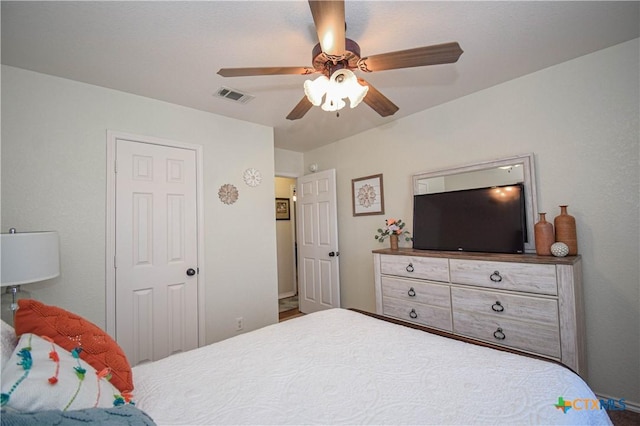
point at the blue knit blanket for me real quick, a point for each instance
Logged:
(116, 416)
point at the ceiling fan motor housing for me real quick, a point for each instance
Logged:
(328, 64)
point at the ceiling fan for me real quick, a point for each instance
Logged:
(336, 56)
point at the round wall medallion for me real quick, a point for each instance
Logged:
(252, 177)
(228, 193)
(559, 249)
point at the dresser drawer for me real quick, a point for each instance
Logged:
(414, 291)
(435, 269)
(428, 315)
(526, 277)
(526, 336)
(509, 306)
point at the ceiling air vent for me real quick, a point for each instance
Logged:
(234, 95)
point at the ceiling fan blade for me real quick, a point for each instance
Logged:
(428, 55)
(328, 17)
(377, 101)
(300, 110)
(245, 72)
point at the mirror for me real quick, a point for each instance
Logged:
(499, 172)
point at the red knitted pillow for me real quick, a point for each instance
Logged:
(71, 331)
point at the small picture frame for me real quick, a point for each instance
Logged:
(282, 209)
(367, 195)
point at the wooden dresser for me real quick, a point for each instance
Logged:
(527, 302)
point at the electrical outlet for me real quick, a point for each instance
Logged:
(239, 323)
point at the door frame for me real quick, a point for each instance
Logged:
(294, 225)
(110, 249)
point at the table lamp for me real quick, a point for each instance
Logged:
(28, 257)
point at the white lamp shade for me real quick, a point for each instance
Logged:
(340, 82)
(357, 94)
(315, 89)
(28, 257)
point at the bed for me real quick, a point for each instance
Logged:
(343, 367)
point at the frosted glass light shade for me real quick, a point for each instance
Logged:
(357, 94)
(28, 257)
(315, 89)
(343, 84)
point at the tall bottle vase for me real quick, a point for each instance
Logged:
(565, 225)
(544, 236)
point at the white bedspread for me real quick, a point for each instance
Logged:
(339, 366)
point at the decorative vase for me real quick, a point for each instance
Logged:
(544, 236)
(565, 225)
(393, 239)
(559, 249)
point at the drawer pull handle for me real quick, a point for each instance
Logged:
(409, 267)
(413, 314)
(498, 334)
(495, 277)
(497, 307)
(411, 292)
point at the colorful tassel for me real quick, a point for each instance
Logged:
(80, 372)
(128, 396)
(26, 362)
(53, 356)
(122, 399)
(106, 372)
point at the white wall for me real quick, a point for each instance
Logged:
(54, 178)
(580, 119)
(289, 163)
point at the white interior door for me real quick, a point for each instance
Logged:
(318, 261)
(156, 278)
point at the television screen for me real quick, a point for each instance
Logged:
(483, 219)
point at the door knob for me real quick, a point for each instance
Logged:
(334, 254)
(191, 272)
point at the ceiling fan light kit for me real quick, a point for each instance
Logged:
(336, 56)
(343, 84)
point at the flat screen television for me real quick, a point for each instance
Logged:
(482, 219)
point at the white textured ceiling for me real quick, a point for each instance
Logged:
(171, 51)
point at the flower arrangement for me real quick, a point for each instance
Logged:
(392, 226)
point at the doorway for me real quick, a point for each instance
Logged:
(285, 190)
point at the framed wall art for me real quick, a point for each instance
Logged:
(282, 209)
(367, 195)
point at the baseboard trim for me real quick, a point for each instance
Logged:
(287, 294)
(630, 405)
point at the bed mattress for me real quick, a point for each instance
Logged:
(342, 367)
